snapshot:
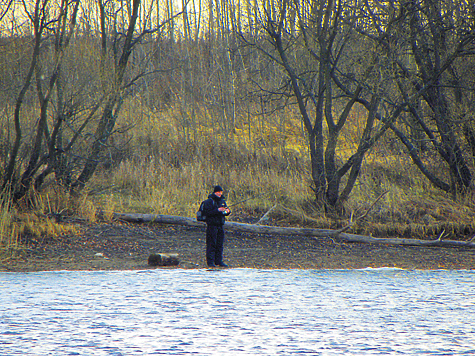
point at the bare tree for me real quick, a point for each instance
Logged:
(326, 89)
(429, 42)
(113, 99)
(76, 100)
(43, 17)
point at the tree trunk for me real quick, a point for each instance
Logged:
(163, 259)
(109, 115)
(274, 230)
(8, 176)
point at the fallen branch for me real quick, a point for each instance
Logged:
(353, 222)
(350, 224)
(265, 217)
(290, 231)
(298, 214)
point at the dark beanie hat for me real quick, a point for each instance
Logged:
(217, 189)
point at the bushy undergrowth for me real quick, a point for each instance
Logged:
(176, 183)
(161, 185)
(38, 218)
(162, 170)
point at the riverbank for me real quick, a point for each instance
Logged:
(124, 246)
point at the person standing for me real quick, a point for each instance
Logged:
(215, 210)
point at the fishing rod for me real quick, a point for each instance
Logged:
(255, 196)
(242, 201)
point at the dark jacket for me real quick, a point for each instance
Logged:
(213, 215)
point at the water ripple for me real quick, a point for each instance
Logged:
(238, 312)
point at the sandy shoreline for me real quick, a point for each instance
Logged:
(123, 246)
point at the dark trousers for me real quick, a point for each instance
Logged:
(214, 244)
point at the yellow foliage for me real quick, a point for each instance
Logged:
(37, 222)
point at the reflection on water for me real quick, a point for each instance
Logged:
(238, 312)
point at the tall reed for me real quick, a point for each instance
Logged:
(37, 219)
(9, 234)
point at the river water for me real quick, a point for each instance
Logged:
(238, 312)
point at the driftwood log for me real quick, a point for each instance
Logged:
(306, 232)
(163, 259)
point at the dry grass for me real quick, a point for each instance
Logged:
(9, 234)
(161, 186)
(170, 168)
(166, 169)
(36, 219)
